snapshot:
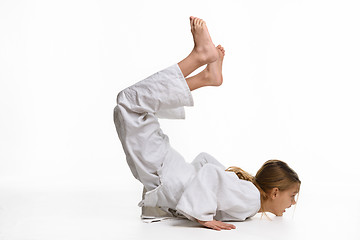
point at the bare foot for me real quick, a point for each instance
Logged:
(213, 71)
(204, 48)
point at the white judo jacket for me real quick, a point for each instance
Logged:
(200, 190)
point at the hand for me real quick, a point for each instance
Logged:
(216, 225)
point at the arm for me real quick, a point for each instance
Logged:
(218, 195)
(199, 202)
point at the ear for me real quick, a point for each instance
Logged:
(274, 193)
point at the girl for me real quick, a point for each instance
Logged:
(202, 191)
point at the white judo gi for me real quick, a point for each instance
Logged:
(201, 190)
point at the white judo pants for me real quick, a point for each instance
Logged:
(161, 95)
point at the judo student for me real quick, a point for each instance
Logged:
(203, 191)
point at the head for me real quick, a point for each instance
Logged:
(278, 185)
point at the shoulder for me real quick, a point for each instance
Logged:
(241, 189)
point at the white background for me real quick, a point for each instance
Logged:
(290, 92)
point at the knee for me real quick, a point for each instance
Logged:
(203, 155)
(127, 97)
(120, 97)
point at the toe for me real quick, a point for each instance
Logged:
(192, 23)
(196, 21)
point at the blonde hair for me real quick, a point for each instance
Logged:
(272, 174)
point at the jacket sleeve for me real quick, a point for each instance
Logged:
(200, 198)
(216, 194)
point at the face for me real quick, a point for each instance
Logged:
(281, 200)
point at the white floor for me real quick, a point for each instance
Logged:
(109, 212)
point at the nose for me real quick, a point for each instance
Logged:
(293, 202)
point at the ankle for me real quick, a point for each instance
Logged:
(206, 75)
(212, 76)
(204, 55)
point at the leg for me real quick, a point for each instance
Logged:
(136, 115)
(136, 120)
(204, 51)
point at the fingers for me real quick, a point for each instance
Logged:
(225, 226)
(217, 225)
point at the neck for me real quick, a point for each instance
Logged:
(265, 206)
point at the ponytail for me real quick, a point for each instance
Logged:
(241, 173)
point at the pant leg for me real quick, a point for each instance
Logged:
(162, 95)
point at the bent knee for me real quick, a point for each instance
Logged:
(121, 97)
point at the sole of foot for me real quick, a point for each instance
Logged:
(213, 70)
